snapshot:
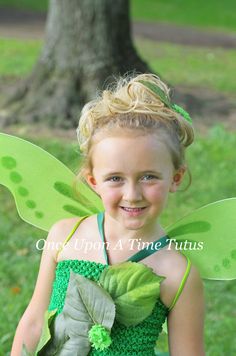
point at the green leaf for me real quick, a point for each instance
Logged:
(86, 304)
(158, 91)
(134, 288)
(46, 335)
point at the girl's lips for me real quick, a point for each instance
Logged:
(133, 211)
(136, 208)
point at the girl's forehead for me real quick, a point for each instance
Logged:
(139, 151)
(132, 141)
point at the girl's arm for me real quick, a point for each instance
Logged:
(186, 319)
(30, 325)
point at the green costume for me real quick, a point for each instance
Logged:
(134, 340)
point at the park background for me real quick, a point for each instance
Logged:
(193, 46)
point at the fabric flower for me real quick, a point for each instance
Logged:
(100, 337)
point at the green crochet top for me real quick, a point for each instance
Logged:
(126, 341)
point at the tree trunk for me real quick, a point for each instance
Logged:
(86, 43)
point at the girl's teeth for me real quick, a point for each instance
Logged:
(133, 209)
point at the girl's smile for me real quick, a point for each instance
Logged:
(133, 211)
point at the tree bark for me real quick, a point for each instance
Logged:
(87, 43)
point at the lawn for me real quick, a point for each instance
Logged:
(210, 156)
(211, 14)
(209, 68)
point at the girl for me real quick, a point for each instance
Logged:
(133, 140)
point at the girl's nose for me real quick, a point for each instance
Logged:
(132, 193)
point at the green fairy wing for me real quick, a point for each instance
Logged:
(208, 237)
(42, 186)
(43, 190)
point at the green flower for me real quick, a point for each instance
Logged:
(100, 337)
(182, 112)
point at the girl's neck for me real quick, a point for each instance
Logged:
(114, 231)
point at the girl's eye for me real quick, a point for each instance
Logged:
(149, 177)
(114, 179)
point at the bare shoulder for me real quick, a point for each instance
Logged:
(63, 228)
(58, 233)
(173, 265)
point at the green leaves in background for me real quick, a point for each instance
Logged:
(134, 288)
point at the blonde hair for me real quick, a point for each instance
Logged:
(130, 104)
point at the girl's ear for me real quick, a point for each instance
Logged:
(91, 182)
(177, 179)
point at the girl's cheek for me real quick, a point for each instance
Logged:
(110, 196)
(157, 194)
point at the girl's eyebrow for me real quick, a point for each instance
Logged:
(143, 172)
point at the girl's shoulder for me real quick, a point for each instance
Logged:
(177, 270)
(66, 230)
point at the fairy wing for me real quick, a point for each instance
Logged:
(208, 237)
(42, 186)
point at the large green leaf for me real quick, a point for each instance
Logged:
(86, 304)
(134, 288)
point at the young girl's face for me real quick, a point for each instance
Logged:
(133, 175)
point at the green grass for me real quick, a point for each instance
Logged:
(18, 56)
(41, 5)
(210, 156)
(212, 14)
(185, 65)
(211, 68)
